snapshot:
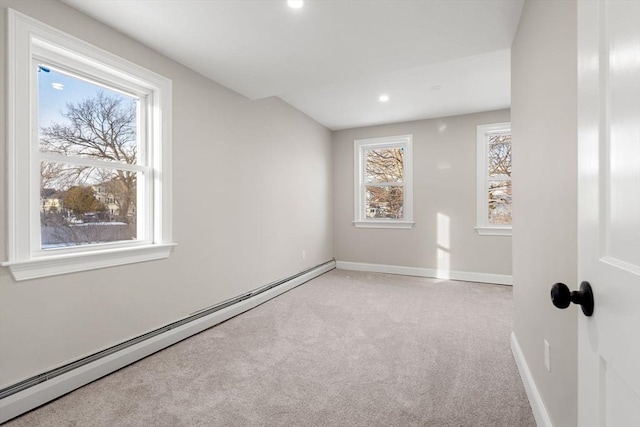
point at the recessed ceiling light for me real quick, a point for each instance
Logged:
(295, 4)
(383, 98)
(57, 86)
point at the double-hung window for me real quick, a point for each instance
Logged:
(494, 179)
(88, 158)
(383, 180)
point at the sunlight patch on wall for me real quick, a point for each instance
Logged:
(444, 245)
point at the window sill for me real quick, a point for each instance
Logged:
(494, 231)
(71, 263)
(384, 224)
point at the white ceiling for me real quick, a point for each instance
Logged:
(333, 58)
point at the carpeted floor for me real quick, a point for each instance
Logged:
(346, 349)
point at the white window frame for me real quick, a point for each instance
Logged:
(483, 227)
(30, 40)
(360, 147)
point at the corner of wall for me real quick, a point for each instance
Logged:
(544, 121)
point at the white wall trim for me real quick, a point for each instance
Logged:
(90, 260)
(540, 412)
(468, 276)
(25, 400)
(389, 223)
(494, 231)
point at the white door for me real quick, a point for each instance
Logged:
(609, 211)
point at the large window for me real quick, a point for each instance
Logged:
(89, 138)
(89, 155)
(494, 179)
(383, 182)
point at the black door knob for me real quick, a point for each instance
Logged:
(562, 297)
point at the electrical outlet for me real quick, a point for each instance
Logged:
(304, 254)
(547, 356)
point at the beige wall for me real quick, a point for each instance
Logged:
(544, 126)
(444, 162)
(252, 189)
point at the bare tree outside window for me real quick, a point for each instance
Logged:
(92, 204)
(384, 178)
(499, 191)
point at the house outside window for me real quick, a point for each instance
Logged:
(383, 192)
(89, 155)
(494, 179)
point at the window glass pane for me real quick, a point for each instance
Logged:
(80, 118)
(500, 202)
(384, 165)
(499, 155)
(384, 202)
(83, 205)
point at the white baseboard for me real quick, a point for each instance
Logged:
(535, 399)
(25, 400)
(500, 279)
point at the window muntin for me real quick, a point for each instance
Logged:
(494, 179)
(383, 177)
(32, 192)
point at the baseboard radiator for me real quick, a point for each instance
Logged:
(40, 389)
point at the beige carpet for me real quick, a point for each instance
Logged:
(346, 349)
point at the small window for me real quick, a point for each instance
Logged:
(494, 179)
(383, 182)
(89, 148)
